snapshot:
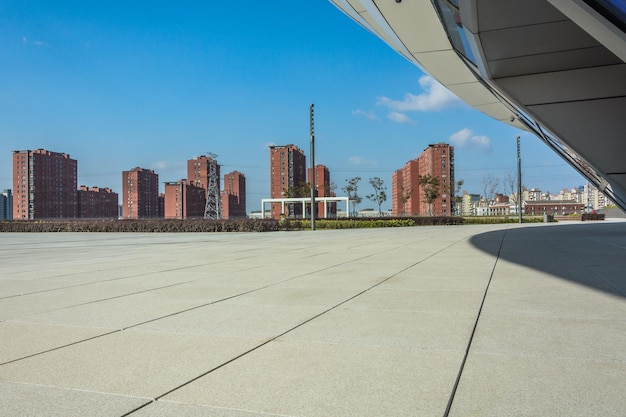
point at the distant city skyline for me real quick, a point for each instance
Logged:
(123, 85)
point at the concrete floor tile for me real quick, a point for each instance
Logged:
(382, 298)
(234, 320)
(573, 302)
(164, 408)
(19, 340)
(132, 363)
(398, 329)
(43, 401)
(576, 338)
(317, 379)
(503, 386)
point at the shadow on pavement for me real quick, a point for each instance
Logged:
(591, 254)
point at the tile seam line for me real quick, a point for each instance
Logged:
(471, 338)
(157, 398)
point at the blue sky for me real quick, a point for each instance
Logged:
(152, 84)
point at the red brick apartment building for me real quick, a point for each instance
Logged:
(44, 185)
(407, 197)
(184, 200)
(322, 188)
(140, 194)
(198, 170)
(287, 171)
(97, 203)
(234, 196)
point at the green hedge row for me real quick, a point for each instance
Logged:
(155, 225)
(244, 225)
(366, 222)
(501, 219)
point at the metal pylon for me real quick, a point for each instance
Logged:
(212, 207)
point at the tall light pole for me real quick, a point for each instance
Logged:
(312, 130)
(519, 180)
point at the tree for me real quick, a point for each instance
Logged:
(329, 189)
(379, 196)
(430, 186)
(301, 190)
(405, 195)
(456, 196)
(510, 186)
(351, 188)
(490, 186)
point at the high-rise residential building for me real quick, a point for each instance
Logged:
(140, 194)
(234, 196)
(438, 161)
(469, 204)
(44, 185)
(6, 205)
(184, 199)
(287, 173)
(97, 203)
(405, 190)
(199, 171)
(408, 197)
(322, 188)
(161, 205)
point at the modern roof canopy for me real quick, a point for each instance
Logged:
(552, 67)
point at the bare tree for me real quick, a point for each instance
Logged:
(431, 187)
(405, 195)
(379, 196)
(456, 196)
(351, 188)
(490, 186)
(510, 186)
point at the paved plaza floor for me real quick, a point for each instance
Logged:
(490, 320)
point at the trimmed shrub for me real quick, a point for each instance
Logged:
(143, 226)
(368, 222)
(501, 219)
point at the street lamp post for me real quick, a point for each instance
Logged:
(519, 181)
(312, 130)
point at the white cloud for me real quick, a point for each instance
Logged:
(399, 117)
(465, 138)
(357, 160)
(369, 114)
(161, 165)
(37, 43)
(434, 97)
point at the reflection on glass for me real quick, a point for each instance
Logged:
(452, 23)
(613, 10)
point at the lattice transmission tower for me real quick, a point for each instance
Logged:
(212, 207)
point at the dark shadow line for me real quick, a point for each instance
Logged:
(471, 339)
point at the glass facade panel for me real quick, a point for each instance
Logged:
(613, 10)
(451, 19)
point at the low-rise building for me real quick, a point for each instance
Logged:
(559, 208)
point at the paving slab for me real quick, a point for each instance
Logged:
(26, 339)
(292, 378)
(131, 363)
(44, 401)
(507, 385)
